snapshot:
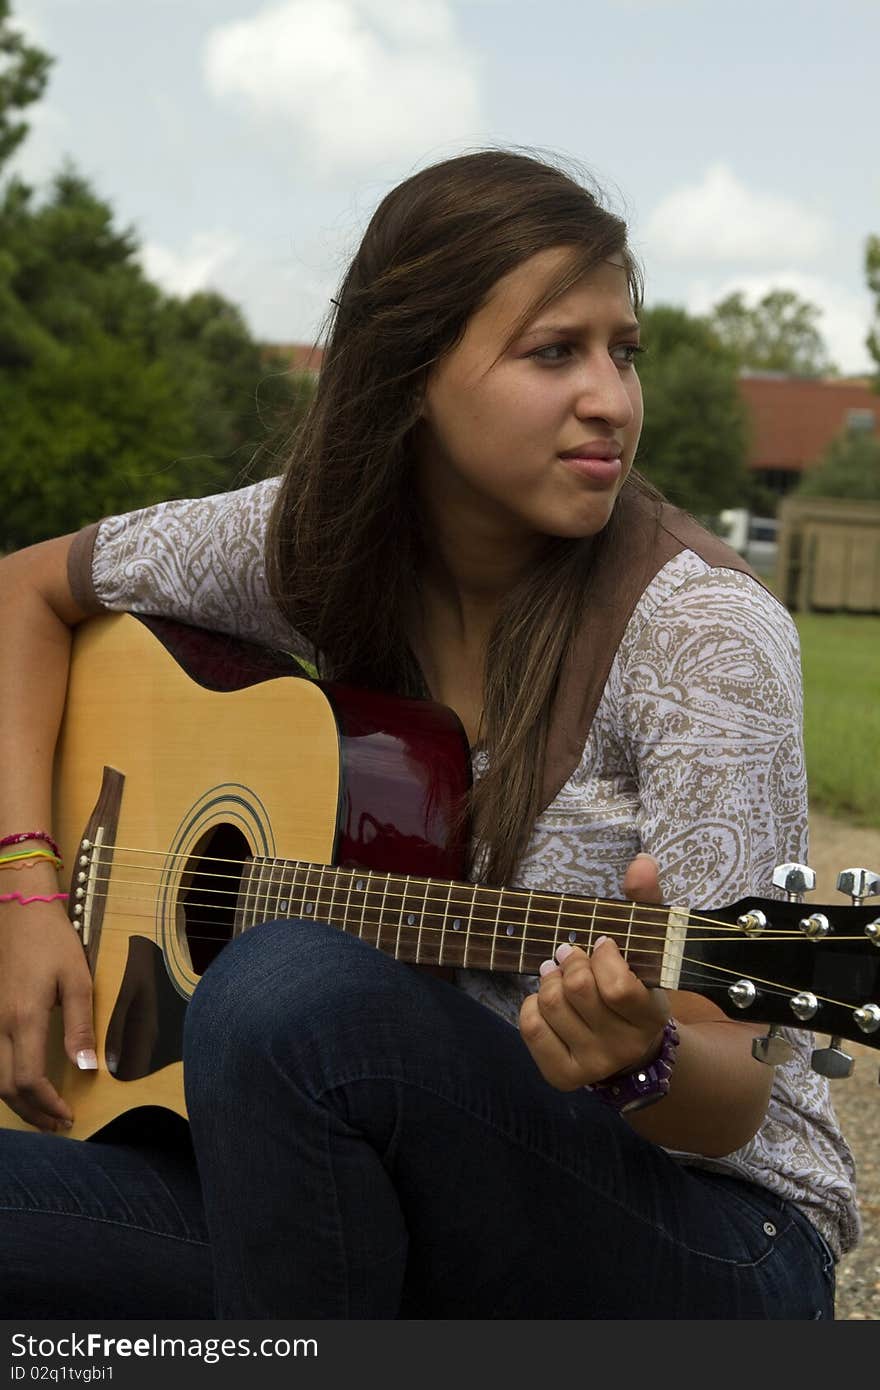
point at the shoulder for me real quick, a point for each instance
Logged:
(690, 596)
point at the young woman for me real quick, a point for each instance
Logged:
(460, 519)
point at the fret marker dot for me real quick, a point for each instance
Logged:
(283, 907)
(572, 936)
(410, 919)
(310, 907)
(360, 885)
(456, 924)
(510, 930)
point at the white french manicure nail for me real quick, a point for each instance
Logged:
(563, 951)
(599, 940)
(546, 966)
(87, 1060)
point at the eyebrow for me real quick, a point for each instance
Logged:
(627, 326)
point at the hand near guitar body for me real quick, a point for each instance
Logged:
(41, 964)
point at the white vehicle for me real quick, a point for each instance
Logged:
(753, 537)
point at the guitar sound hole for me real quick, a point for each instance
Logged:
(210, 891)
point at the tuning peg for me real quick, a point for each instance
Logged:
(771, 1049)
(832, 1061)
(859, 883)
(795, 880)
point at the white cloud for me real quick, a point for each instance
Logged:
(196, 268)
(845, 317)
(720, 219)
(350, 80)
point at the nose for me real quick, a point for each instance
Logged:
(604, 392)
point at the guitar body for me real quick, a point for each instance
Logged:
(222, 758)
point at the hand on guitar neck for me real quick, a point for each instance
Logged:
(592, 1018)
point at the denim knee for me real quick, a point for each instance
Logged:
(284, 987)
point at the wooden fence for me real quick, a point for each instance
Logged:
(828, 555)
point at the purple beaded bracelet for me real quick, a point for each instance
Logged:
(640, 1086)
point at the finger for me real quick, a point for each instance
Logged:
(79, 1029)
(31, 1085)
(549, 1052)
(26, 1109)
(641, 882)
(622, 992)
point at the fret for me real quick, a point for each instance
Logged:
(260, 891)
(528, 922)
(558, 927)
(381, 911)
(238, 917)
(362, 886)
(495, 930)
(320, 913)
(397, 952)
(347, 908)
(470, 923)
(422, 917)
(311, 896)
(251, 894)
(282, 897)
(627, 943)
(592, 924)
(442, 953)
(303, 906)
(268, 885)
(334, 876)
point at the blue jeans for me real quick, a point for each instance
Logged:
(371, 1143)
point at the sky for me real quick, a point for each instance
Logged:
(248, 143)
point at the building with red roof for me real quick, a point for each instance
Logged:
(794, 419)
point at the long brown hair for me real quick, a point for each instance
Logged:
(345, 539)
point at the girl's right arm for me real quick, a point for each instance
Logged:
(41, 959)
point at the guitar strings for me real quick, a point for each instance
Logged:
(309, 866)
(625, 920)
(536, 935)
(295, 866)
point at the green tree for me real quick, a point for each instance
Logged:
(779, 334)
(849, 468)
(112, 394)
(24, 72)
(693, 444)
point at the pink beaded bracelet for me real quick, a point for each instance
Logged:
(31, 835)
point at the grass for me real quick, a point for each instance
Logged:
(841, 662)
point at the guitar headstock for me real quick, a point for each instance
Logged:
(792, 964)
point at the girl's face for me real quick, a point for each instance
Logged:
(535, 439)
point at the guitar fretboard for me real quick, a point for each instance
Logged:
(429, 922)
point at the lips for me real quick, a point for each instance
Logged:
(595, 449)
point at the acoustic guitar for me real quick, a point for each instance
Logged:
(204, 786)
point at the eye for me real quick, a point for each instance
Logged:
(630, 352)
(553, 355)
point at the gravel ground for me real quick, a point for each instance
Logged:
(834, 846)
